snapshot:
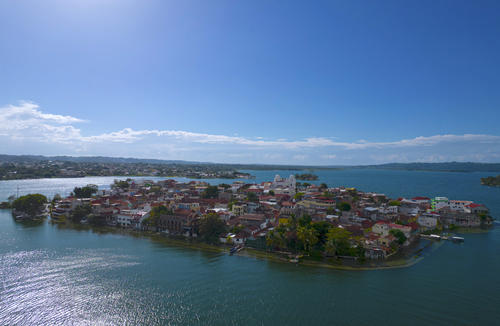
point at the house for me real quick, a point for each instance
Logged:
(382, 228)
(459, 205)
(252, 219)
(473, 208)
(439, 202)
(428, 220)
(177, 223)
(239, 209)
(370, 212)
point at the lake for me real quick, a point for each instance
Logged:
(51, 275)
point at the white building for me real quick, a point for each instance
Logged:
(289, 182)
(428, 221)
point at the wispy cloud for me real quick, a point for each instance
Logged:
(27, 122)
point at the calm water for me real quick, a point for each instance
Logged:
(56, 276)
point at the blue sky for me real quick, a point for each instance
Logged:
(292, 82)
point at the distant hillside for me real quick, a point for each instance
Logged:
(443, 167)
(89, 159)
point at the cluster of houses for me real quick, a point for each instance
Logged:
(251, 210)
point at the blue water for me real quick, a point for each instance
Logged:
(50, 275)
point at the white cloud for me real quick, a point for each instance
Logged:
(26, 122)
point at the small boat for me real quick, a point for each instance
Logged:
(435, 237)
(457, 239)
(233, 250)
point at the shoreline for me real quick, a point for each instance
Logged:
(401, 262)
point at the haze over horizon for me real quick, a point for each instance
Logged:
(282, 82)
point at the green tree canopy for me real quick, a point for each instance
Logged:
(400, 236)
(123, 184)
(85, 192)
(210, 192)
(344, 206)
(80, 212)
(252, 196)
(155, 214)
(211, 227)
(337, 241)
(298, 196)
(307, 236)
(32, 204)
(394, 203)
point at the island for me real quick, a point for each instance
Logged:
(331, 226)
(306, 176)
(491, 181)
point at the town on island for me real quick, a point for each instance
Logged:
(291, 220)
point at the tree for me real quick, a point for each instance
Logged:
(322, 229)
(344, 206)
(307, 236)
(252, 196)
(395, 203)
(56, 198)
(211, 228)
(210, 192)
(96, 219)
(80, 212)
(298, 196)
(327, 194)
(337, 241)
(122, 184)
(400, 236)
(271, 192)
(276, 239)
(305, 220)
(32, 204)
(323, 186)
(155, 214)
(85, 192)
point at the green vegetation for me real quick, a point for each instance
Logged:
(400, 236)
(211, 227)
(491, 181)
(31, 205)
(123, 184)
(306, 176)
(155, 214)
(85, 192)
(252, 196)
(210, 192)
(344, 206)
(298, 196)
(80, 212)
(395, 203)
(337, 243)
(313, 238)
(5, 205)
